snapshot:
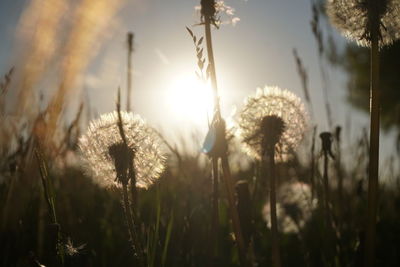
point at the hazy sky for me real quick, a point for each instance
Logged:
(257, 51)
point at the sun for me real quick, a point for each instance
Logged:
(190, 99)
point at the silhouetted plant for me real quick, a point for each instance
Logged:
(121, 151)
(209, 10)
(271, 124)
(371, 23)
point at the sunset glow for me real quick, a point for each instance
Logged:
(189, 99)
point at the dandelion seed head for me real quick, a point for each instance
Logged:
(72, 250)
(271, 128)
(214, 9)
(294, 208)
(274, 116)
(208, 8)
(353, 19)
(101, 146)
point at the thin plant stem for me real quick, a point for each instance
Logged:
(133, 238)
(312, 174)
(215, 206)
(276, 259)
(129, 209)
(211, 68)
(133, 190)
(133, 206)
(374, 148)
(40, 226)
(315, 26)
(7, 205)
(326, 189)
(129, 71)
(340, 176)
(49, 195)
(214, 161)
(330, 225)
(226, 172)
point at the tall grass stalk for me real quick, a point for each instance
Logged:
(152, 238)
(49, 195)
(214, 161)
(317, 32)
(10, 192)
(130, 37)
(215, 208)
(167, 240)
(312, 163)
(226, 172)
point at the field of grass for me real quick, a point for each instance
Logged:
(270, 191)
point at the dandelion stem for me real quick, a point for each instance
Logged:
(339, 171)
(374, 146)
(129, 209)
(133, 238)
(276, 259)
(133, 190)
(326, 189)
(326, 139)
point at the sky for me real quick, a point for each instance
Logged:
(255, 52)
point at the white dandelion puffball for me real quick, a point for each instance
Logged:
(103, 134)
(282, 105)
(294, 208)
(351, 17)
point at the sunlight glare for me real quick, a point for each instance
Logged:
(190, 99)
